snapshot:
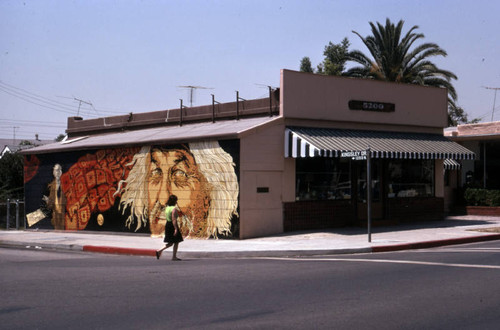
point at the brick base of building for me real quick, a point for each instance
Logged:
(483, 210)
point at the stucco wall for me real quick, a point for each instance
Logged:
(261, 185)
(438, 179)
(318, 97)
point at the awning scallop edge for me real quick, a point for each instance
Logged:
(327, 142)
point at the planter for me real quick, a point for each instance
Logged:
(484, 210)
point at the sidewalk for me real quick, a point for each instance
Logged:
(452, 230)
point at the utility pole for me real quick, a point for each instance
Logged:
(494, 99)
(14, 136)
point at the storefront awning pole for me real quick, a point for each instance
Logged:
(369, 192)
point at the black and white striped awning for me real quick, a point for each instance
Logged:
(450, 164)
(329, 142)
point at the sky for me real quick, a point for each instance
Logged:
(97, 58)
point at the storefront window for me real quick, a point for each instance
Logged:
(323, 179)
(411, 178)
(375, 171)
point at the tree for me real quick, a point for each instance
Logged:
(394, 59)
(305, 65)
(26, 143)
(334, 62)
(457, 115)
(11, 176)
(335, 58)
(60, 137)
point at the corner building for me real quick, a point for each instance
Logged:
(293, 161)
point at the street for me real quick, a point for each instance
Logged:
(454, 287)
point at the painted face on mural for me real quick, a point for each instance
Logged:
(57, 171)
(174, 172)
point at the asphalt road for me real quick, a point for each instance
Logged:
(445, 288)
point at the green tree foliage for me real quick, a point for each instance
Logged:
(457, 115)
(60, 137)
(334, 62)
(482, 197)
(395, 57)
(305, 65)
(26, 143)
(11, 176)
(335, 58)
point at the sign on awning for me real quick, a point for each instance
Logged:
(331, 142)
(354, 155)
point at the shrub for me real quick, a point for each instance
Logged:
(482, 197)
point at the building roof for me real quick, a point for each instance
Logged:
(311, 142)
(480, 131)
(220, 130)
(12, 146)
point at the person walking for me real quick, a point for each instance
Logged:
(173, 235)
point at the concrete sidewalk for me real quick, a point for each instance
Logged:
(452, 230)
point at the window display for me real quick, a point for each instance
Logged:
(410, 178)
(323, 179)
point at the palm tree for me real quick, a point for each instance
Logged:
(394, 60)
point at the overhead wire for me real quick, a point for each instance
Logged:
(36, 99)
(20, 134)
(6, 125)
(16, 122)
(49, 103)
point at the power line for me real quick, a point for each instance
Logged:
(36, 99)
(49, 103)
(25, 135)
(31, 123)
(29, 130)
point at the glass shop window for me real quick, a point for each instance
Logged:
(411, 178)
(323, 179)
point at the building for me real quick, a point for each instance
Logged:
(13, 146)
(484, 140)
(482, 172)
(293, 161)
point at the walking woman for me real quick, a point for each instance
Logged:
(173, 234)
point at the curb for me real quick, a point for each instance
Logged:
(252, 254)
(119, 250)
(297, 253)
(37, 246)
(225, 254)
(437, 243)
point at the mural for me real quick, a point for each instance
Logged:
(126, 189)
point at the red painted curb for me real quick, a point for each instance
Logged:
(119, 250)
(430, 244)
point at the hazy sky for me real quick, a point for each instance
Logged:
(131, 56)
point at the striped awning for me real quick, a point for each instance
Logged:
(329, 142)
(450, 164)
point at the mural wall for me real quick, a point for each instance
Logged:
(126, 189)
